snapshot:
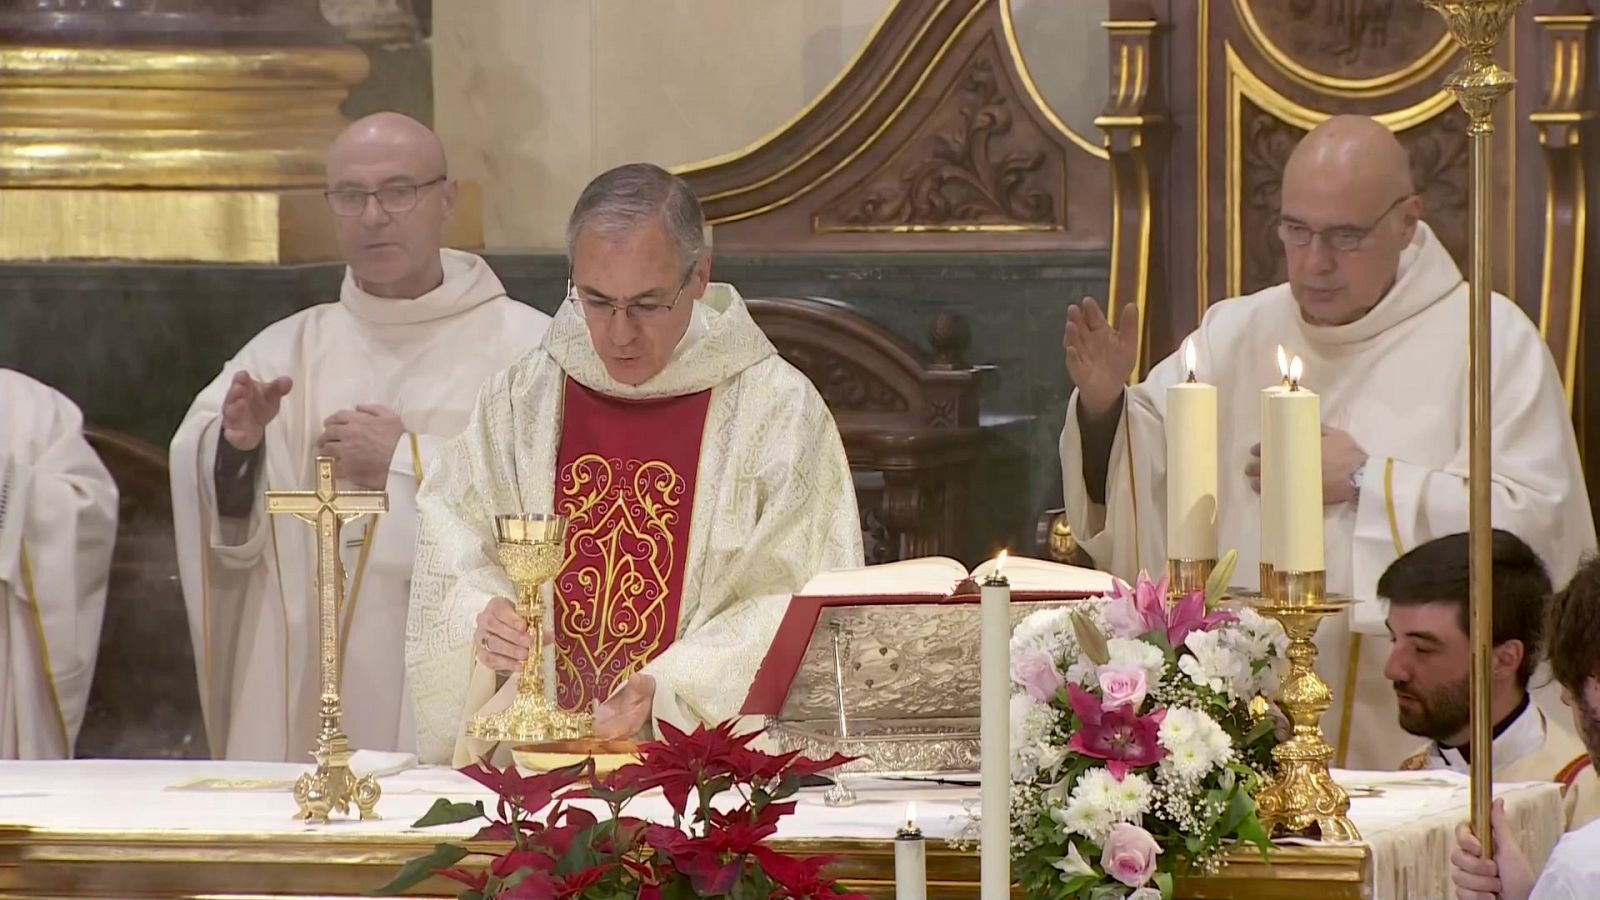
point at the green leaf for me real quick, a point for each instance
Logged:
(582, 855)
(1164, 879)
(1240, 807)
(1090, 640)
(417, 871)
(1251, 830)
(1221, 575)
(443, 812)
(1266, 727)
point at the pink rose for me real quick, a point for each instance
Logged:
(1122, 686)
(1130, 854)
(1038, 675)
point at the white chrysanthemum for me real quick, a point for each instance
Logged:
(1128, 652)
(1049, 630)
(1190, 761)
(1213, 662)
(1032, 727)
(1130, 797)
(1196, 744)
(1085, 818)
(1178, 728)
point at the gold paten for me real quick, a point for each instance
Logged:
(532, 550)
(332, 787)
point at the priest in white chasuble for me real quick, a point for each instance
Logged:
(703, 477)
(58, 522)
(1377, 309)
(378, 380)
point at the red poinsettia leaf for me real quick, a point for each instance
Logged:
(803, 767)
(519, 860)
(713, 878)
(530, 885)
(573, 885)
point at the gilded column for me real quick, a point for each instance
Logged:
(168, 129)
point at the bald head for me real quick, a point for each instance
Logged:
(1349, 209)
(388, 134)
(390, 195)
(1355, 151)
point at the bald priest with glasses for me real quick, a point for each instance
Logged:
(1377, 309)
(702, 475)
(379, 380)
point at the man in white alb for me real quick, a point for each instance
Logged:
(703, 477)
(58, 522)
(379, 381)
(1377, 309)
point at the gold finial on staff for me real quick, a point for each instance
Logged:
(1478, 26)
(332, 787)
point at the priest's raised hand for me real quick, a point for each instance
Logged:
(248, 406)
(362, 440)
(1100, 356)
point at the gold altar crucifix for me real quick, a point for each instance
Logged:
(332, 787)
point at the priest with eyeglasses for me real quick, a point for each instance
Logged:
(378, 380)
(1377, 309)
(703, 478)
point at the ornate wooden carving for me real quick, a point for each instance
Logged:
(1349, 38)
(935, 139)
(913, 423)
(975, 160)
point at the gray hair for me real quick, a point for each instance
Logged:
(637, 194)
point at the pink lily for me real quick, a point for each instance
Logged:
(1144, 608)
(1118, 736)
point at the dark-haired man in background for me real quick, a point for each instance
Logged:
(1431, 661)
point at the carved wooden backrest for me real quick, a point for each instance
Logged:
(144, 702)
(935, 138)
(1197, 159)
(912, 423)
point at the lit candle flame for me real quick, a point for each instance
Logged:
(1296, 369)
(1189, 356)
(911, 815)
(1283, 364)
(999, 562)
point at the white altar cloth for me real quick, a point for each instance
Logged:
(1406, 819)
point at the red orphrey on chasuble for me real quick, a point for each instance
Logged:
(625, 479)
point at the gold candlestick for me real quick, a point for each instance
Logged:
(1478, 25)
(1185, 576)
(332, 787)
(532, 549)
(1303, 798)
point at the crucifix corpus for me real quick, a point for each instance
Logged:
(332, 787)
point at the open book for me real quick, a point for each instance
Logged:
(917, 606)
(943, 576)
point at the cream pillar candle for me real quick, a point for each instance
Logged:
(1191, 427)
(910, 859)
(1296, 422)
(1270, 502)
(994, 735)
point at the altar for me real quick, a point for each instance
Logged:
(170, 829)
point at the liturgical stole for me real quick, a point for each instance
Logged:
(625, 480)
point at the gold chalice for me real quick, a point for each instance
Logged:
(532, 550)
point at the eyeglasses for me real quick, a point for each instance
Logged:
(636, 312)
(396, 198)
(1341, 238)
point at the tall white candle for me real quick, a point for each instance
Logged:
(1270, 487)
(1191, 426)
(995, 735)
(1297, 474)
(910, 859)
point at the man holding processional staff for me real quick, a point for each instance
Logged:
(1376, 309)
